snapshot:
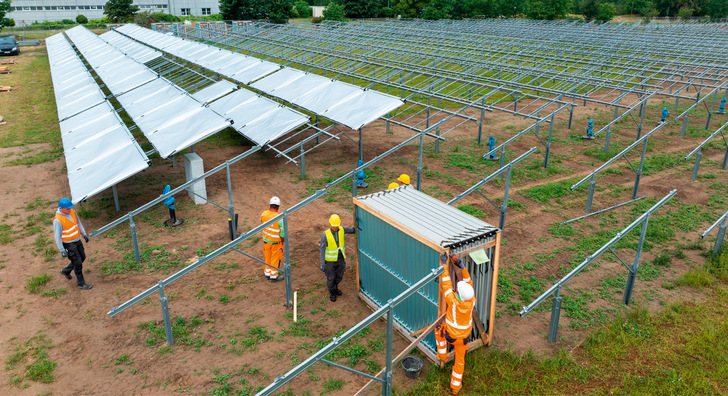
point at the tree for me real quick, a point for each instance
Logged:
(410, 8)
(362, 8)
(607, 12)
(120, 10)
(718, 9)
(685, 13)
(4, 9)
(243, 9)
(81, 19)
(304, 9)
(334, 12)
(279, 10)
(438, 9)
(590, 9)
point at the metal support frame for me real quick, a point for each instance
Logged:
(721, 224)
(698, 150)
(554, 290)
(601, 210)
(386, 309)
(507, 169)
(638, 171)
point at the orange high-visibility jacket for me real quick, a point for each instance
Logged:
(70, 227)
(272, 233)
(459, 314)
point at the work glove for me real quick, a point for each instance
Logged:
(443, 259)
(64, 253)
(458, 262)
(85, 238)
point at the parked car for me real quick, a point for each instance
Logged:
(8, 46)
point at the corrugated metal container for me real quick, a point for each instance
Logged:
(401, 234)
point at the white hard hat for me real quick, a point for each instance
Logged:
(465, 291)
(275, 201)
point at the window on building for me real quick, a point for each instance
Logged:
(185, 11)
(162, 6)
(206, 11)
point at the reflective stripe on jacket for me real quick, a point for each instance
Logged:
(272, 233)
(332, 251)
(458, 314)
(70, 227)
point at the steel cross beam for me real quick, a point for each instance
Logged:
(721, 232)
(555, 289)
(698, 153)
(591, 177)
(506, 168)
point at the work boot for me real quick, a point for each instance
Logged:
(455, 392)
(338, 292)
(276, 279)
(332, 297)
(66, 274)
(85, 286)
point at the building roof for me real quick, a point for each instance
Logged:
(433, 220)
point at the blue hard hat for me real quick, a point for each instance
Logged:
(65, 203)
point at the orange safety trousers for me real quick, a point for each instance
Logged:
(460, 346)
(273, 253)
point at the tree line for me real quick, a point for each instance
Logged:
(280, 10)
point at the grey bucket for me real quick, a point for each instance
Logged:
(412, 366)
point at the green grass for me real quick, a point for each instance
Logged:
(31, 116)
(185, 332)
(473, 211)
(55, 293)
(683, 350)
(6, 234)
(30, 361)
(35, 283)
(546, 192)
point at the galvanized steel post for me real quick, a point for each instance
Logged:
(710, 113)
(231, 207)
(419, 164)
(361, 146)
(638, 175)
(437, 141)
(590, 195)
(165, 315)
(555, 315)
(504, 205)
(303, 161)
(482, 119)
(642, 119)
(721, 236)
(684, 125)
(134, 240)
(387, 374)
(548, 144)
(635, 265)
(287, 264)
(116, 198)
(698, 156)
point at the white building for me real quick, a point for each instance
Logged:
(25, 12)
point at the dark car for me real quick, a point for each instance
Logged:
(8, 46)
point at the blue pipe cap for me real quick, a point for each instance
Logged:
(169, 201)
(65, 203)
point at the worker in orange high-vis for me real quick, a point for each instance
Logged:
(458, 320)
(273, 238)
(67, 232)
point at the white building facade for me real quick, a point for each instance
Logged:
(25, 12)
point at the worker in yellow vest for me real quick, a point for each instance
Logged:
(67, 231)
(333, 254)
(458, 320)
(273, 239)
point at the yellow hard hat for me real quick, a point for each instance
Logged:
(392, 185)
(335, 220)
(404, 178)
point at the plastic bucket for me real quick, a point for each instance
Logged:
(412, 366)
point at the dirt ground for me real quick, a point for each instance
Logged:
(97, 354)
